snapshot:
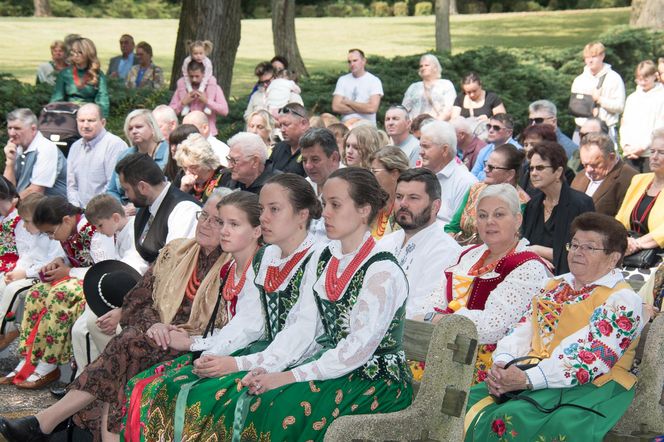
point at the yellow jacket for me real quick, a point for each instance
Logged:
(655, 221)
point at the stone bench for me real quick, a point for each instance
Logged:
(436, 414)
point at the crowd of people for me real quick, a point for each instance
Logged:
(258, 288)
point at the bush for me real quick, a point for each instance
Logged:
(400, 9)
(527, 6)
(496, 7)
(380, 9)
(358, 10)
(308, 11)
(337, 10)
(475, 7)
(261, 12)
(423, 8)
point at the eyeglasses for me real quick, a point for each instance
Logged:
(75, 52)
(234, 161)
(494, 127)
(583, 248)
(399, 106)
(491, 168)
(204, 216)
(539, 167)
(538, 120)
(52, 234)
(288, 110)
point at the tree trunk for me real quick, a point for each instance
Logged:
(283, 35)
(453, 7)
(647, 13)
(217, 21)
(443, 39)
(42, 8)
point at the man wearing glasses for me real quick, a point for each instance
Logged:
(501, 129)
(286, 155)
(545, 112)
(358, 93)
(248, 163)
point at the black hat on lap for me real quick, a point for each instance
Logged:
(106, 284)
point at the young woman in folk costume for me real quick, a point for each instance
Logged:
(182, 404)
(10, 220)
(341, 350)
(53, 305)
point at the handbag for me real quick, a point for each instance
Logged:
(582, 105)
(517, 393)
(644, 258)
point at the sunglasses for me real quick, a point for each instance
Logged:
(491, 168)
(539, 167)
(538, 120)
(494, 127)
(288, 110)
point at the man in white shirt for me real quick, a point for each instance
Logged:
(32, 162)
(422, 247)
(164, 211)
(200, 120)
(357, 94)
(438, 148)
(92, 158)
(397, 126)
(320, 157)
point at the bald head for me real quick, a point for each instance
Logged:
(200, 120)
(89, 121)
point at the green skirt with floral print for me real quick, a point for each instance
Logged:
(520, 420)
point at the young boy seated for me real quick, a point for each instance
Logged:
(90, 333)
(35, 250)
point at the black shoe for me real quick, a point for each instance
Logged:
(25, 429)
(58, 392)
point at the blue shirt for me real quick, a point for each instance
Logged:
(483, 156)
(114, 188)
(125, 65)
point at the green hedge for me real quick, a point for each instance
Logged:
(518, 76)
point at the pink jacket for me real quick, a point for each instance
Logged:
(215, 101)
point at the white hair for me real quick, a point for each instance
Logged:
(543, 105)
(505, 192)
(438, 69)
(250, 144)
(462, 125)
(441, 132)
(165, 114)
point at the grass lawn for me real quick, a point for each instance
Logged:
(323, 41)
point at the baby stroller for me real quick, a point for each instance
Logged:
(57, 122)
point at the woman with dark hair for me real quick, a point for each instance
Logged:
(549, 214)
(353, 305)
(579, 337)
(53, 305)
(145, 74)
(475, 102)
(172, 171)
(529, 136)
(288, 204)
(83, 81)
(502, 166)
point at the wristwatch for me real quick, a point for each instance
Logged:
(429, 316)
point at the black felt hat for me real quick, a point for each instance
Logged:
(106, 284)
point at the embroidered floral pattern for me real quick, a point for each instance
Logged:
(502, 428)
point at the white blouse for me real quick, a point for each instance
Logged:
(384, 290)
(272, 257)
(587, 353)
(441, 98)
(242, 329)
(506, 303)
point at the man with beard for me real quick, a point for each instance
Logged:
(164, 211)
(422, 248)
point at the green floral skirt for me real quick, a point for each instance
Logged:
(519, 420)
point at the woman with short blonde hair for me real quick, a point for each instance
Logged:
(202, 169)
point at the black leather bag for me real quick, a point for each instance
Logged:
(643, 259)
(582, 105)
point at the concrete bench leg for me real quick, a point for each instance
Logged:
(437, 412)
(645, 416)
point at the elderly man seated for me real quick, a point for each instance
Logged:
(248, 163)
(579, 338)
(605, 176)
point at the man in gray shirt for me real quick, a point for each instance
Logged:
(91, 159)
(397, 126)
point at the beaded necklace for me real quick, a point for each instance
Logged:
(205, 189)
(275, 277)
(334, 285)
(479, 268)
